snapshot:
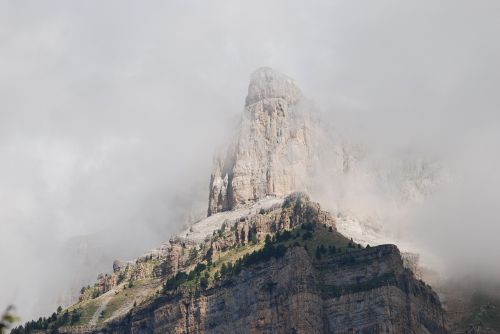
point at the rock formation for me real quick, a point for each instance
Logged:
(266, 259)
(307, 278)
(294, 294)
(273, 149)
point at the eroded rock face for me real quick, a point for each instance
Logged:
(365, 292)
(273, 150)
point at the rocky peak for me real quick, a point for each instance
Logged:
(273, 149)
(266, 83)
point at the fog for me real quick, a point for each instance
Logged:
(110, 112)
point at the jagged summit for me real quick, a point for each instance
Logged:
(266, 83)
(273, 149)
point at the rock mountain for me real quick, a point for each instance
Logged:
(274, 147)
(266, 259)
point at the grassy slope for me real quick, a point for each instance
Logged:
(123, 297)
(87, 309)
(122, 301)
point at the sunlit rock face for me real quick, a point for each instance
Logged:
(273, 150)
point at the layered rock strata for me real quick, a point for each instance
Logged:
(369, 292)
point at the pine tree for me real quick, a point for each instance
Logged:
(318, 253)
(223, 269)
(204, 282)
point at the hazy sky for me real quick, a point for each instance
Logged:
(110, 112)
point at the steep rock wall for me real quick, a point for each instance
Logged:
(368, 291)
(274, 147)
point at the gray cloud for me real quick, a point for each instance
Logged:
(110, 112)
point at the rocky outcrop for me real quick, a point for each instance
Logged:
(125, 271)
(273, 150)
(296, 209)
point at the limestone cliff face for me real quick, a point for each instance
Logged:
(365, 292)
(273, 149)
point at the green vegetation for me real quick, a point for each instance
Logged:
(204, 280)
(253, 238)
(95, 293)
(272, 248)
(318, 240)
(382, 280)
(90, 292)
(82, 312)
(181, 278)
(87, 310)
(128, 296)
(51, 323)
(121, 277)
(295, 200)
(200, 275)
(319, 251)
(193, 254)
